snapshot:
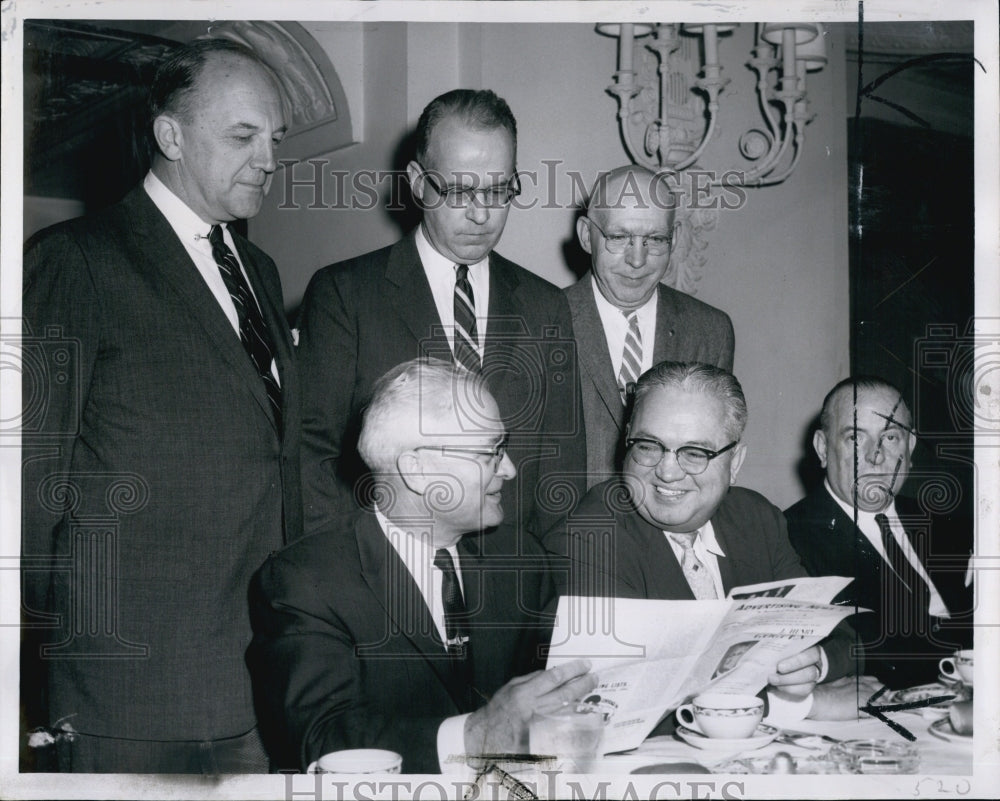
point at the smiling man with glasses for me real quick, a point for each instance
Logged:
(444, 291)
(672, 526)
(625, 320)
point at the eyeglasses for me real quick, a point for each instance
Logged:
(655, 244)
(496, 453)
(460, 197)
(691, 459)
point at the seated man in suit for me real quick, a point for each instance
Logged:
(624, 319)
(908, 565)
(443, 291)
(673, 528)
(407, 627)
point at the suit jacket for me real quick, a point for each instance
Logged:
(686, 330)
(346, 655)
(605, 549)
(156, 480)
(364, 316)
(895, 651)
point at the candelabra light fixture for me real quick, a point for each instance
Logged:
(666, 128)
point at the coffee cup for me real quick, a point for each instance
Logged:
(960, 717)
(722, 716)
(958, 666)
(358, 760)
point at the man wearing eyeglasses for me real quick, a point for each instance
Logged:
(624, 319)
(443, 291)
(412, 627)
(673, 527)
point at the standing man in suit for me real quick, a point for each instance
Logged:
(624, 319)
(166, 467)
(443, 291)
(672, 527)
(407, 627)
(908, 565)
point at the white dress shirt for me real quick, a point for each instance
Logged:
(868, 526)
(708, 551)
(193, 234)
(416, 550)
(440, 274)
(615, 325)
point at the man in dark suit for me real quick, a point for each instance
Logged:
(405, 627)
(624, 319)
(442, 291)
(163, 466)
(672, 527)
(908, 564)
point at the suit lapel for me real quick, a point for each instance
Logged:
(408, 290)
(504, 322)
(400, 598)
(592, 348)
(174, 266)
(665, 576)
(665, 344)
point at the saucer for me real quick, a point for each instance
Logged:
(922, 693)
(953, 680)
(943, 731)
(759, 739)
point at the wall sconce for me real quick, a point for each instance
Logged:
(660, 121)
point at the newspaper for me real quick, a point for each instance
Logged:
(652, 656)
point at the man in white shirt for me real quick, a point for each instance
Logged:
(908, 562)
(411, 627)
(161, 466)
(672, 527)
(444, 291)
(624, 319)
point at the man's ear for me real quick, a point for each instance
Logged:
(911, 443)
(169, 136)
(583, 233)
(739, 454)
(819, 445)
(411, 471)
(415, 175)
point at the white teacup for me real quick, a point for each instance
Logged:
(958, 666)
(722, 716)
(358, 760)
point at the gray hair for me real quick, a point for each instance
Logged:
(871, 383)
(699, 377)
(409, 403)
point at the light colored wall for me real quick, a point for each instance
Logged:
(778, 265)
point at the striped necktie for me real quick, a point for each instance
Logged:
(909, 577)
(695, 572)
(466, 338)
(253, 332)
(631, 358)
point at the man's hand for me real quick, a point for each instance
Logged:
(501, 727)
(841, 699)
(797, 675)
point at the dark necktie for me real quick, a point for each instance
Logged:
(253, 332)
(466, 338)
(916, 586)
(456, 629)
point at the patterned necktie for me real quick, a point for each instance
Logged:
(253, 332)
(902, 567)
(631, 358)
(695, 572)
(466, 338)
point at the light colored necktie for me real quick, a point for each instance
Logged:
(631, 358)
(695, 572)
(466, 338)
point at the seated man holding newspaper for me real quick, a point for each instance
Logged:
(673, 528)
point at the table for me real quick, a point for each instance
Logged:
(936, 756)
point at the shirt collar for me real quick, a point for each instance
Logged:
(605, 306)
(866, 518)
(707, 535)
(436, 264)
(188, 226)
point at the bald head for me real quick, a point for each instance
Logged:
(628, 232)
